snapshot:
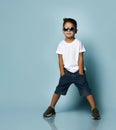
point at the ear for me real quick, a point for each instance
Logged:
(62, 31)
(76, 30)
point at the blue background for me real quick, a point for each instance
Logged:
(30, 31)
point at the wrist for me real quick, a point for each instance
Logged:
(62, 74)
(81, 72)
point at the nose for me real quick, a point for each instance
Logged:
(68, 30)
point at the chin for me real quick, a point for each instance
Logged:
(69, 37)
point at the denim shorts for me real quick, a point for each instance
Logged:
(80, 82)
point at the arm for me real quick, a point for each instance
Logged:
(61, 64)
(81, 63)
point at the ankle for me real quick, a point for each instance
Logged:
(93, 108)
(52, 106)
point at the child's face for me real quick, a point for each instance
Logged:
(69, 30)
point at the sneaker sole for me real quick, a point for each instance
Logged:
(98, 118)
(49, 115)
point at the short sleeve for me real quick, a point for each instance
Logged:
(59, 49)
(81, 47)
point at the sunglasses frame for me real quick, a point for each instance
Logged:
(69, 28)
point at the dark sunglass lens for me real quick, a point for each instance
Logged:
(65, 29)
(72, 29)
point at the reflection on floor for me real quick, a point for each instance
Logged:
(67, 120)
(72, 120)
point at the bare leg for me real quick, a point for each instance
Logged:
(54, 100)
(91, 101)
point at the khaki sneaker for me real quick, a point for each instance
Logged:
(49, 112)
(95, 114)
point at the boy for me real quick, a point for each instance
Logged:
(71, 64)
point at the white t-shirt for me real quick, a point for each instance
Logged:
(70, 53)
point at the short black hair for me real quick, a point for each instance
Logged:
(73, 21)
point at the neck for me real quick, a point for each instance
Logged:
(69, 40)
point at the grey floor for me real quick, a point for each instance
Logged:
(20, 119)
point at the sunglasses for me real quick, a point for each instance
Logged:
(69, 28)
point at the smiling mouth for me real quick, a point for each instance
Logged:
(68, 33)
